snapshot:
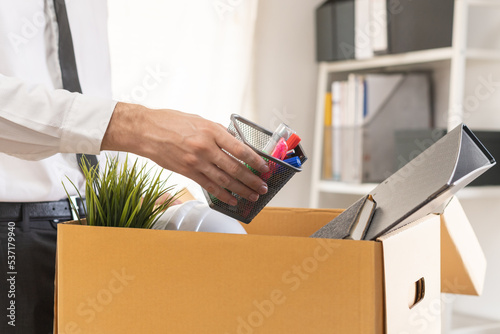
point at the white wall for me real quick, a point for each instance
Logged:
(285, 80)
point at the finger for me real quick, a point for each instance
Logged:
(224, 180)
(242, 152)
(215, 189)
(236, 170)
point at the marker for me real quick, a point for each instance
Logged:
(294, 161)
(280, 150)
(283, 131)
(293, 141)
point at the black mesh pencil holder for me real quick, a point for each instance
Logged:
(279, 172)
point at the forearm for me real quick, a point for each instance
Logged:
(189, 145)
(125, 129)
(140, 130)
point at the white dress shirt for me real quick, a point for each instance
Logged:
(41, 125)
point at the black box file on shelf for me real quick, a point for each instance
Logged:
(256, 137)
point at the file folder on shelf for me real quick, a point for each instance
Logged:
(404, 105)
(367, 111)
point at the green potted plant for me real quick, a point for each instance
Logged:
(123, 196)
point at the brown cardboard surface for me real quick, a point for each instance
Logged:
(186, 196)
(117, 280)
(274, 280)
(290, 222)
(463, 267)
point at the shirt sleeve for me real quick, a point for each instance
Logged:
(37, 122)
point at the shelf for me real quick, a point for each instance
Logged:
(483, 54)
(485, 3)
(479, 192)
(468, 324)
(410, 58)
(346, 188)
(365, 188)
(406, 59)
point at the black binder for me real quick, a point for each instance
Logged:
(335, 30)
(419, 24)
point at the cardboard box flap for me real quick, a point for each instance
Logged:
(411, 267)
(463, 264)
(291, 222)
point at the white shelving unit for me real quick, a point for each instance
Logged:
(449, 65)
(364, 188)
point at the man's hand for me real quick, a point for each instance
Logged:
(189, 145)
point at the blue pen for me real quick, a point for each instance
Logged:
(294, 161)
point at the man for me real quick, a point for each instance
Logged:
(42, 127)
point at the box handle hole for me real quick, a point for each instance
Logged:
(416, 293)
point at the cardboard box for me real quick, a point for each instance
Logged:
(463, 267)
(274, 280)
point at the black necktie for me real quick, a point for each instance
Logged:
(67, 62)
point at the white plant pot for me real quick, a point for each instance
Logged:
(198, 217)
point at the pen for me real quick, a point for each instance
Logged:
(294, 161)
(280, 150)
(283, 131)
(293, 141)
